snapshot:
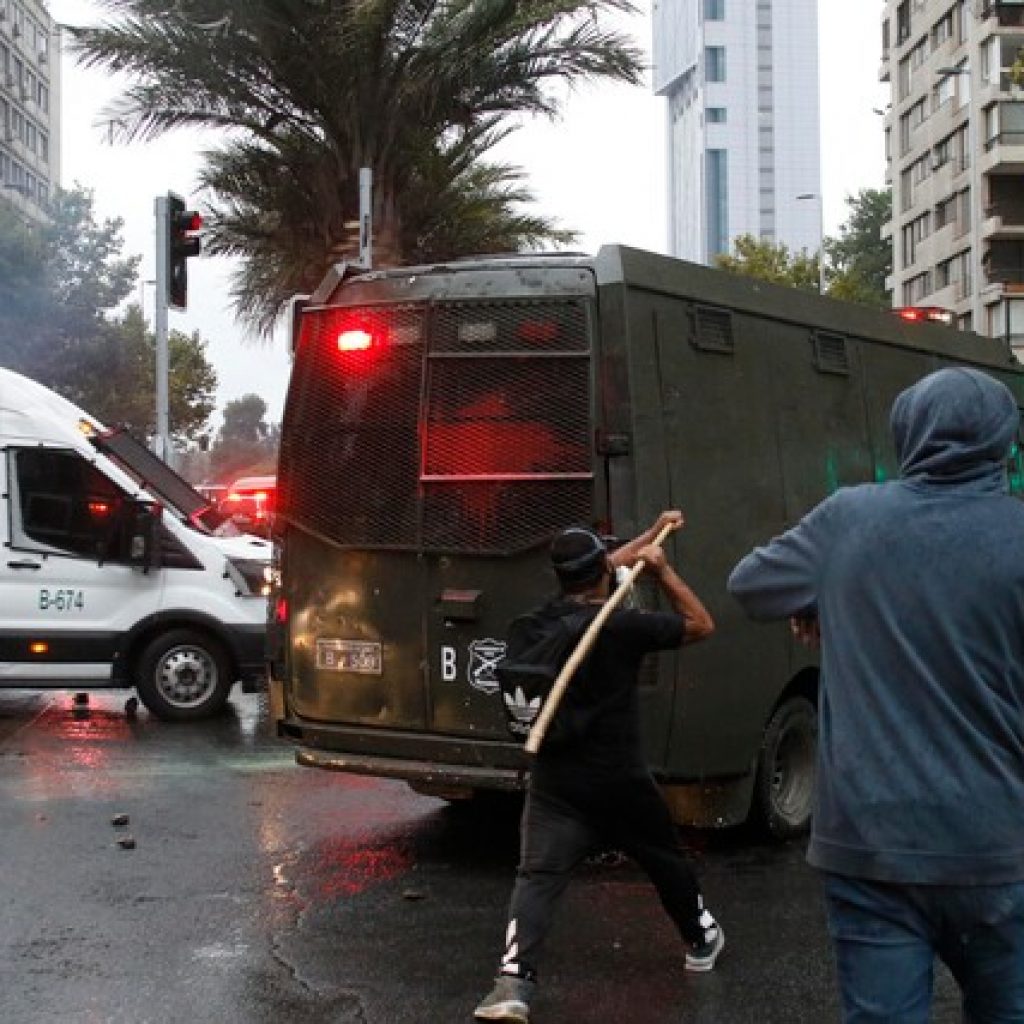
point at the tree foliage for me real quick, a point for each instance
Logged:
(60, 285)
(310, 91)
(769, 261)
(57, 279)
(122, 382)
(246, 444)
(860, 258)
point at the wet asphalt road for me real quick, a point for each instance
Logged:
(261, 892)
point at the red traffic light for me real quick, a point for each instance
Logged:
(181, 228)
(188, 222)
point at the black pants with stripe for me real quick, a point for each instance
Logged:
(565, 822)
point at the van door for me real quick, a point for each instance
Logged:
(66, 588)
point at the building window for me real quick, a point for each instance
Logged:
(716, 115)
(717, 202)
(920, 170)
(903, 78)
(945, 91)
(714, 64)
(919, 54)
(903, 22)
(714, 10)
(945, 212)
(990, 60)
(942, 30)
(916, 289)
(914, 232)
(906, 190)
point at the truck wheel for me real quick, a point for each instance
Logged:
(784, 788)
(184, 675)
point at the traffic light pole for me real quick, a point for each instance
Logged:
(161, 439)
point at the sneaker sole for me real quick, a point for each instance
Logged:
(511, 1013)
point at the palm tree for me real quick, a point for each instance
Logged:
(309, 91)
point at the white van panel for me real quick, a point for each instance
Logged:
(66, 675)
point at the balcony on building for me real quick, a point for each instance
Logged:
(1004, 13)
(1004, 263)
(1004, 212)
(1003, 152)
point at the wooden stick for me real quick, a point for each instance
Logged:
(561, 683)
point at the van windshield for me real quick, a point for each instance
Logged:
(162, 482)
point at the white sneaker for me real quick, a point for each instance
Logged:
(702, 958)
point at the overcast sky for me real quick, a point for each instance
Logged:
(600, 170)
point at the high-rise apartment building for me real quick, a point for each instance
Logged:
(955, 151)
(29, 105)
(744, 139)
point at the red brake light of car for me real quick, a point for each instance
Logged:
(99, 508)
(281, 611)
(919, 314)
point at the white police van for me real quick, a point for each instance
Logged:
(114, 571)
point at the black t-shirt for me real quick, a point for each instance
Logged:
(604, 691)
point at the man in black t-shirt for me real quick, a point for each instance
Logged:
(596, 790)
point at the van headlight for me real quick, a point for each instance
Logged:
(249, 576)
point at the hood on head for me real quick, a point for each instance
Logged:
(955, 424)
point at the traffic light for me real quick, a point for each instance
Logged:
(182, 243)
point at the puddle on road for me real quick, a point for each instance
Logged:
(347, 867)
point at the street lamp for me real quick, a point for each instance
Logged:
(821, 237)
(977, 308)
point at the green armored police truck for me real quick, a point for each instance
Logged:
(443, 422)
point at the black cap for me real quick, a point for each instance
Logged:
(578, 556)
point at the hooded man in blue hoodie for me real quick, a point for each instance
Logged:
(917, 589)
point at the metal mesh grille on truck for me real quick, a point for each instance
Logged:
(458, 426)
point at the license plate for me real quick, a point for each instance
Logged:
(363, 656)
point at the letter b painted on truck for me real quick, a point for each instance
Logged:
(449, 668)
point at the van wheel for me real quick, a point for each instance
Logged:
(184, 675)
(784, 788)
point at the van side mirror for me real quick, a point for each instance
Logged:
(144, 536)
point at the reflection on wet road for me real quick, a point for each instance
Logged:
(258, 891)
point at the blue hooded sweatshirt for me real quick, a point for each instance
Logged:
(918, 586)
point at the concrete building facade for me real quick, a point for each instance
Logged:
(29, 105)
(744, 139)
(955, 152)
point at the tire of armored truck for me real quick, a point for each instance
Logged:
(784, 784)
(184, 675)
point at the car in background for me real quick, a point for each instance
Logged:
(249, 503)
(214, 492)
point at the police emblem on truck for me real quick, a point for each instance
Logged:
(484, 656)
